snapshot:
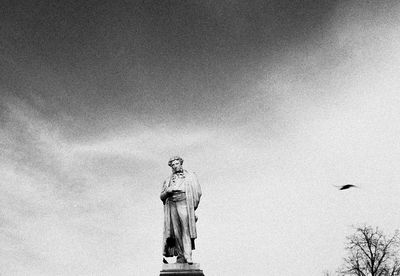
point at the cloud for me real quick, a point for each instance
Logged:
(53, 213)
(146, 143)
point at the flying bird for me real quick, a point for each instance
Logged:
(347, 186)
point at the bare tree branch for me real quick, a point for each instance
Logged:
(371, 253)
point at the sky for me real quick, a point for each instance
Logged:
(271, 103)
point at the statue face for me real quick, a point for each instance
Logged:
(176, 166)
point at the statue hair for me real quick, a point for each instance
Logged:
(172, 159)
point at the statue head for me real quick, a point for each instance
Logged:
(175, 163)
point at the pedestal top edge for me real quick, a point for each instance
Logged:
(181, 266)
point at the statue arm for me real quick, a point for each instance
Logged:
(164, 193)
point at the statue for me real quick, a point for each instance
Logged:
(180, 195)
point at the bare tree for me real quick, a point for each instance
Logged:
(371, 253)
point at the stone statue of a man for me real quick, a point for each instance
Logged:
(180, 194)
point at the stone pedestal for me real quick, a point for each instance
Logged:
(181, 270)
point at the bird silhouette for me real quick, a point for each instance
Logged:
(347, 186)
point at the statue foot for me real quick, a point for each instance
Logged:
(180, 260)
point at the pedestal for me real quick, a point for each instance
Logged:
(181, 270)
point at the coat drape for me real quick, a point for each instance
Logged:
(193, 194)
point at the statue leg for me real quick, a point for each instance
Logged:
(176, 225)
(185, 234)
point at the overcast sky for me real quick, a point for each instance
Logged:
(271, 103)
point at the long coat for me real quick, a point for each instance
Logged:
(193, 194)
